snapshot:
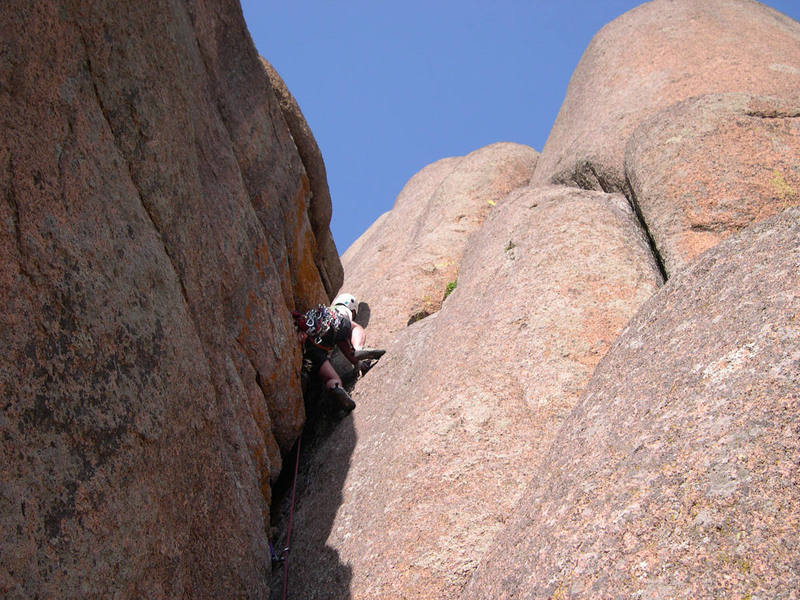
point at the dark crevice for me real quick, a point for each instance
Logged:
(418, 316)
(634, 204)
(323, 424)
(259, 382)
(258, 379)
(61, 171)
(586, 177)
(11, 198)
(704, 228)
(773, 114)
(600, 180)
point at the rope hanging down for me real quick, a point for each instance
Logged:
(289, 528)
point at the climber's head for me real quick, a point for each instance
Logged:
(348, 301)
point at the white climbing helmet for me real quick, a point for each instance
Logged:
(348, 301)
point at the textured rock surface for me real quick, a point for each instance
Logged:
(677, 474)
(708, 167)
(655, 55)
(406, 495)
(325, 253)
(402, 264)
(154, 235)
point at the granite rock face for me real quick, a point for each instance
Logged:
(478, 464)
(154, 237)
(402, 264)
(676, 476)
(320, 209)
(653, 56)
(705, 168)
(449, 422)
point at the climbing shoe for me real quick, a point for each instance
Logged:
(366, 365)
(367, 353)
(342, 398)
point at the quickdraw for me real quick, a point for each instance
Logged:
(316, 323)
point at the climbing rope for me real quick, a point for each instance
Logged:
(285, 557)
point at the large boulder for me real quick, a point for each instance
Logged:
(406, 495)
(707, 167)
(657, 54)
(676, 475)
(401, 266)
(154, 237)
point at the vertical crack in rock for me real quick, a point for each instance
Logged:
(224, 121)
(146, 209)
(634, 203)
(583, 177)
(258, 379)
(227, 129)
(264, 432)
(11, 198)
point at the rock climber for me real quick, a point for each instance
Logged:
(322, 328)
(346, 305)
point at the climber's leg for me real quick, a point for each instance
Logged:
(358, 336)
(333, 386)
(328, 375)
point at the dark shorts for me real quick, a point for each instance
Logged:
(313, 357)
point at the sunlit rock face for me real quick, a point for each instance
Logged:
(703, 169)
(401, 266)
(486, 457)
(676, 475)
(408, 492)
(320, 210)
(653, 56)
(164, 206)
(155, 235)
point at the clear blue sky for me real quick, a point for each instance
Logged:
(390, 87)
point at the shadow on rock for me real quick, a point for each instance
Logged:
(326, 448)
(362, 318)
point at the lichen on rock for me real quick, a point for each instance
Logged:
(154, 238)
